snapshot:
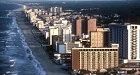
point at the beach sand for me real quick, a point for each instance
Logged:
(31, 34)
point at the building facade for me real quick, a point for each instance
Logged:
(128, 37)
(91, 25)
(99, 38)
(79, 27)
(66, 32)
(61, 48)
(93, 59)
(52, 31)
(133, 42)
(119, 34)
(40, 24)
(56, 9)
(70, 46)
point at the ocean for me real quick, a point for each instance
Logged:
(14, 51)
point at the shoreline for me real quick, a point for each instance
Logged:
(31, 36)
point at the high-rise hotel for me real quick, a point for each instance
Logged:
(79, 26)
(97, 37)
(128, 37)
(99, 56)
(93, 59)
(85, 25)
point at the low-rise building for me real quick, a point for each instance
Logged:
(70, 46)
(56, 39)
(61, 48)
(40, 24)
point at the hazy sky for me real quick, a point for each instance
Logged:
(69, 0)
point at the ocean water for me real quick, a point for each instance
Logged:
(15, 56)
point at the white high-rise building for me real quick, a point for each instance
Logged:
(56, 9)
(66, 32)
(133, 42)
(128, 37)
(52, 31)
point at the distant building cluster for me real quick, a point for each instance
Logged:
(77, 40)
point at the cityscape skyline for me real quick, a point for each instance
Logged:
(76, 37)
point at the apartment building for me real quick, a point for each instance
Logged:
(93, 59)
(99, 38)
(91, 26)
(128, 36)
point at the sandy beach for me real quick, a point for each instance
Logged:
(32, 34)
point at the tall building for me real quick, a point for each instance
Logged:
(91, 25)
(93, 59)
(84, 25)
(56, 9)
(32, 17)
(79, 27)
(128, 37)
(99, 38)
(66, 32)
(73, 26)
(119, 34)
(52, 31)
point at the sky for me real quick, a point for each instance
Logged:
(69, 0)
